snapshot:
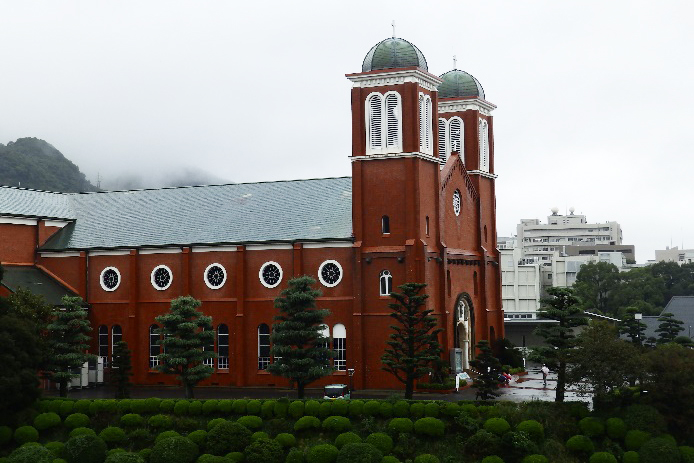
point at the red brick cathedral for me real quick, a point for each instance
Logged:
(419, 207)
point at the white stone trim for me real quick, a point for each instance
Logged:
(101, 279)
(320, 275)
(328, 244)
(224, 271)
(55, 223)
(482, 173)
(484, 107)
(60, 254)
(115, 252)
(151, 278)
(160, 251)
(260, 274)
(268, 247)
(214, 249)
(382, 79)
(18, 221)
(417, 154)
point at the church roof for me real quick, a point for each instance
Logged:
(460, 84)
(393, 53)
(32, 279)
(34, 203)
(284, 211)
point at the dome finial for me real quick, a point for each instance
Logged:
(393, 24)
(455, 62)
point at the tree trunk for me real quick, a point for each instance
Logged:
(300, 390)
(63, 387)
(409, 387)
(561, 382)
(189, 391)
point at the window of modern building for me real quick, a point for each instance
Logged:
(263, 346)
(223, 347)
(154, 346)
(385, 225)
(340, 347)
(386, 283)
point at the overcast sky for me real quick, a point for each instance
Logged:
(594, 98)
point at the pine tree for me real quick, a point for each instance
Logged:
(669, 328)
(562, 306)
(298, 345)
(633, 328)
(414, 345)
(121, 370)
(489, 368)
(186, 332)
(68, 341)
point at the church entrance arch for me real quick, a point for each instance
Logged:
(464, 328)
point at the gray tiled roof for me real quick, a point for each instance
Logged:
(34, 203)
(34, 280)
(682, 308)
(317, 209)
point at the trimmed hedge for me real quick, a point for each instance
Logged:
(46, 421)
(295, 456)
(82, 432)
(401, 409)
(390, 459)
(132, 420)
(160, 422)
(634, 439)
(57, 448)
(239, 406)
(251, 421)
(591, 427)
(296, 409)
(337, 424)
(259, 435)
(210, 406)
(264, 451)
(322, 453)
(340, 407)
(630, 457)
(535, 459)
(199, 437)
(359, 453)
(167, 405)
(431, 409)
(325, 409)
(285, 439)
(267, 409)
(307, 422)
(124, 457)
(398, 425)
(24, 434)
(687, 454)
(533, 428)
(253, 407)
(85, 449)
(312, 408)
(212, 423)
(602, 457)
(195, 408)
(615, 428)
(31, 454)
(417, 410)
(5, 435)
(227, 437)
(659, 450)
(426, 458)
(385, 410)
(347, 438)
(381, 441)
(165, 435)
(492, 459)
(498, 426)
(432, 427)
(113, 435)
(356, 408)
(226, 406)
(281, 408)
(580, 444)
(77, 420)
(174, 450)
(371, 408)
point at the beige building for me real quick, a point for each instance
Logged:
(674, 254)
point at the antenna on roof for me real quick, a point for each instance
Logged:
(393, 24)
(455, 62)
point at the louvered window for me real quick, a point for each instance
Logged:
(443, 152)
(375, 120)
(456, 128)
(393, 121)
(384, 123)
(484, 145)
(425, 134)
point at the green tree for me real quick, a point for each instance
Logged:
(413, 347)
(121, 370)
(68, 341)
(632, 327)
(594, 284)
(562, 306)
(640, 289)
(669, 328)
(186, 332)
(489, 369)
(602, 363)
(39, 314)
(300, 349)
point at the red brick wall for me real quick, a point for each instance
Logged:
(18, 243)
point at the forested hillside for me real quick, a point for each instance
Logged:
(34, 163)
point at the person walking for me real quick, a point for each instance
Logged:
(545, 372)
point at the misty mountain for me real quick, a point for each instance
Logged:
(186, 176)
(34, 163)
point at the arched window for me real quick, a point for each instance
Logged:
(374, 126)
(425, 123)
(386, 283)
(340, 347)
(394, 127)
(484, 145)
(383, 123)
(116, 337)
(103, 343)
(385, 224)
(443, 148)
(426, 225)
(263, 346)
(154, 346)
(456, 136)
(208, 348)
(223, 347)
(325, 333)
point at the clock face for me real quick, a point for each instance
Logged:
(270, 274)
(330, 273)
(215, 276)
(456, 202)
(161, 277)
(110, 278)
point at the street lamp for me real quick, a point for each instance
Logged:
(350, 372)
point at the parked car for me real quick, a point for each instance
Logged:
(336, 391)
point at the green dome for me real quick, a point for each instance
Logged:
(393, 53)
(459, 84)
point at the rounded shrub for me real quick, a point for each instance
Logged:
(24, 434)
(253, 407)
(124, 457)
(85, 449)
(431, 409)
(535, 458)
(167, 406)
(82, 432)
(372, 408)
(591, 426)
(77, 420)
(427, 458)
(285, 439)
(533, 428)
(390, 459)
(259, 435)
(186, 425)
(181, 408)
(264, 451)
(132, 420)
(227, 437)
(174, 450)
(451, 409)
(124, 406)
(659, 450)
(251, 421)
(210, 406)
(113, 435)
(234, 457)
(322, 453)
(296, 409)
(226, 406)
(687, 454)
(82, 406)
(145, 453)
(56, 448)
(239, 406)
(214, 422)
(356, 408)
(46, 421)
(580, 444)
(312, 408)
(498, 426)
(281, 408)
(347, 438)
(31, 454)
(295, 456)
(207, 458)
(398, 425)
(381, 441)
(198, 437)
(267, 409)
(615, 428)
(634, 439)
(359, 453)
(165, 435)
(195, 408)
(645, 418)
(5, 435)
(417, 410)
(340, 407)
(630, 457)
(160, 422)
(66, 407)
(492, 459)
(325, 409)
(307, 422)
(337, 424)
(152, 405)
(602, 457)
(385, 410)
(432, 427)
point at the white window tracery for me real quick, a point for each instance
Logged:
(340, 347)
(385, 283)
